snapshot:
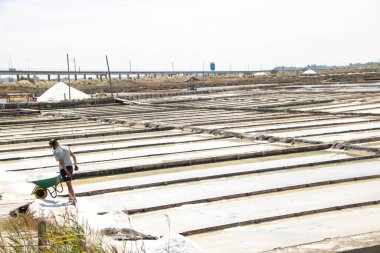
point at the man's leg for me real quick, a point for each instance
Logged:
(71, 190)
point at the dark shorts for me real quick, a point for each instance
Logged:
(63, 173)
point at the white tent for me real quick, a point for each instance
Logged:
(309, 72)
(59, 92)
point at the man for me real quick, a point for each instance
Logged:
(62, 155)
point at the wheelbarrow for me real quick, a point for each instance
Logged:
(41, 189)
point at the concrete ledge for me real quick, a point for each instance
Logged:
(202, 160)
(160, 95)
(97, 142)
(360, 243)
(59, 104)
(19, 112)
(253, 193)
(313, 112)
(279, 217)
(310, 102)
(76, 136)
(19, 122)
(106, 149)
(199, 178)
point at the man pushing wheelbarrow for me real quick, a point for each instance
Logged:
(62, 155)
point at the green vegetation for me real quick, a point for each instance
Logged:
(20, 234)
(27, 79)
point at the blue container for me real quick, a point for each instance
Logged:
(212, 66)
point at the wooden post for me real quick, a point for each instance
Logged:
(68, 75)
(41, 236)
(109, 76)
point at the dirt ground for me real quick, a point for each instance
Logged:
(178, 83)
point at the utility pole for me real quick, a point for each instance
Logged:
(10, 67)
(130, 66)
(75, 66)
(68, 74)
(172, 66)
(109, 76)
(10, 60)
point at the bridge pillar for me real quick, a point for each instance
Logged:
(155, 75)
(76, 77)
(18, 78)
(28, 76)
(138, 76)
(84, 76)
(97, 77)
(128, 76)
(48, 77)
(101, 77)
(119, 76)
(59, 77)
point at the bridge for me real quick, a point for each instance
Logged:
(114, 74)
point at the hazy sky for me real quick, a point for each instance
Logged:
(153, 33)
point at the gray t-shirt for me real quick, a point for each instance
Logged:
(63, 153)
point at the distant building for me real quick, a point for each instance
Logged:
(36, 78)
(191, 81)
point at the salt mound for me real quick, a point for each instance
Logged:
(44, 209)
(174, 243)
(116, 220)
(113, 219)
(260, 74)
(61, 91)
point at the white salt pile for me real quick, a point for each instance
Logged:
(115, 220)
(86, 212)
(42, 209)
(61, 91)
(174, 243)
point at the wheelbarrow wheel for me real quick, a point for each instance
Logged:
(40, 193)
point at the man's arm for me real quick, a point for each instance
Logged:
(74, 159)
(63, 165)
